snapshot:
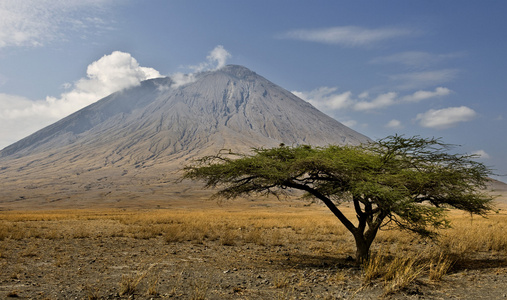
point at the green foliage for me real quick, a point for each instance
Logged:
(405, 182)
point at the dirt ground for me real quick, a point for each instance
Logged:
(120, 266)
(100, 269)
(119, 255)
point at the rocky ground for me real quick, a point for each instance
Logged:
(123, 267)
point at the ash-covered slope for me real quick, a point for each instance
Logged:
(133, 142)
(229, 108)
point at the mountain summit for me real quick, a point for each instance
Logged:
(159, 124)
(229, 108)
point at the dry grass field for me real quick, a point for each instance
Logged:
(241, 250)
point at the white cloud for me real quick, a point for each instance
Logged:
(10, 102)
(324, 98)
(180, 79)
(10, 129)
(111, 73)
(35, 22)
(219, 56)
(114, 72)
(381, 101)
(446, 117)
(351, 36)
(364, 95)
(216, 59)
(481, 154)
(417, 80)
(395, 124)
(423, 95)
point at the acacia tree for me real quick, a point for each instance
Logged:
(408, 183)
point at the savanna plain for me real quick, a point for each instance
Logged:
(244, 249)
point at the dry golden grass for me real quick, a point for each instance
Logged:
(467, 235)
(439, 267)
(476, 234)
(399, 259)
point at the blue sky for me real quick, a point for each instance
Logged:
(428, 68)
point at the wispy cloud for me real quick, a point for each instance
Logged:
(391, 98)
(327, 98)
(446, 117)
(350, 36)
(36, 22)
(418, 80)
(422, 95)
(394, 124)
(418, 59)
(381, 101)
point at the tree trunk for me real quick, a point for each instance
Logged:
(362, 249)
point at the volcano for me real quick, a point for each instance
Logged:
(132, 143)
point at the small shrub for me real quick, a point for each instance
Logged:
(53, 234)
(18, 233)
(228, 237)
(129, 284)
(373, 268)
(5, 230)
(396, 274)
(80, 232)
(255, 236)
(276, 238)
(174, 234)
(440, 267)
(401, 273)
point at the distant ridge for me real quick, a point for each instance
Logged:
(146, 133)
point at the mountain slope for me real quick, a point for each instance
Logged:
(143, 135)
(227, 107)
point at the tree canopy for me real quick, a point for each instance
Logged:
(404, 182)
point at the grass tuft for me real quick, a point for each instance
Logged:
(440, 267)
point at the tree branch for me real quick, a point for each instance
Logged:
(327, 202)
